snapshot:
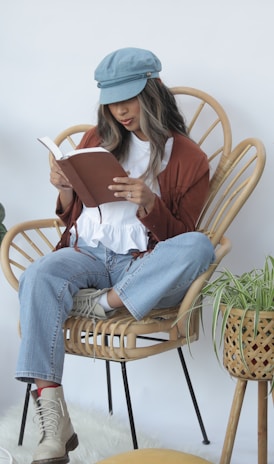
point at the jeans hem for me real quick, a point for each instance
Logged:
(30, 377)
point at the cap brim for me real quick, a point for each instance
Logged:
(121, 92)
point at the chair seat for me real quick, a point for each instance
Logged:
(154, 456)
(121, 337)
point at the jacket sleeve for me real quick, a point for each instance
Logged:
(70, 214)
(184, 186)
(163, 224)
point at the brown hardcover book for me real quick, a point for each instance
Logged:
(90, 172)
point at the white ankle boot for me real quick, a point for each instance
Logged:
(57, 434)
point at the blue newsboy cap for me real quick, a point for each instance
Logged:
(123, 74)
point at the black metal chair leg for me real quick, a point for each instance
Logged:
(193, 397)
(129, 407)
(24, 416)
(110, 407)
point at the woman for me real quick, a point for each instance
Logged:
(117, 249)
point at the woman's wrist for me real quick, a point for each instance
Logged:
(148, 207)
(65, 197)
(144, 210)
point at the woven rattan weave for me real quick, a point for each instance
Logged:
(257, 356)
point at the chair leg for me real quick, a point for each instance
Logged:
(110, 407)
(193, 397)
(24, 416)
(129, 406)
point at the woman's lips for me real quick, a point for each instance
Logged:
(126, 122)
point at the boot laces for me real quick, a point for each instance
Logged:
(48, 416)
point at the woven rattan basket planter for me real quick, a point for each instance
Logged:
(258, 361)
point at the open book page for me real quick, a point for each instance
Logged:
(90, 172)
(57, 152)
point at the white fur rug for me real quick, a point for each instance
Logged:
(99, 434)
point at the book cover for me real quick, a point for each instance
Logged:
(90, 171)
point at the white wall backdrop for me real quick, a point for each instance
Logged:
(48, 52)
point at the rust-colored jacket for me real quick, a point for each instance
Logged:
(184, 186)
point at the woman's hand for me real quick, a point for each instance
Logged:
(57, 177)
(135, 191)
(60, 181)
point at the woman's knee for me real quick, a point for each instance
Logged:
(203, 248)
(38, 269)
(198, 246)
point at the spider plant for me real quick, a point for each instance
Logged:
(251, 292)
(3, 229)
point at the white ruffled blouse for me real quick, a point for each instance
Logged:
(117, 227)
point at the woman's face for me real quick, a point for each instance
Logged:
(127, 113)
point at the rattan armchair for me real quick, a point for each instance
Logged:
(234, 175)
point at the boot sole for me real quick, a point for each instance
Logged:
(71, 444)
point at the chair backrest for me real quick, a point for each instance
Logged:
(71, 136)
(235, 178)
(207, 122)
(234, 173)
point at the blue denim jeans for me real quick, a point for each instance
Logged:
(157, 279)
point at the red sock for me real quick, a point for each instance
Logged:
(39, 390)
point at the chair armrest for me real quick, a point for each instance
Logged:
(195, 289)
(24, 243)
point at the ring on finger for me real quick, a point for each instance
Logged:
(129, 195)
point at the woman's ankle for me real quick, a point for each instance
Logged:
(45, 383)
(113, 299)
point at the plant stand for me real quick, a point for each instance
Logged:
(235, 416)
(258, 352)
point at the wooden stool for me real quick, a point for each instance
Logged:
(154, 456)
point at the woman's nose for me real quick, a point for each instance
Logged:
(121, 108)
